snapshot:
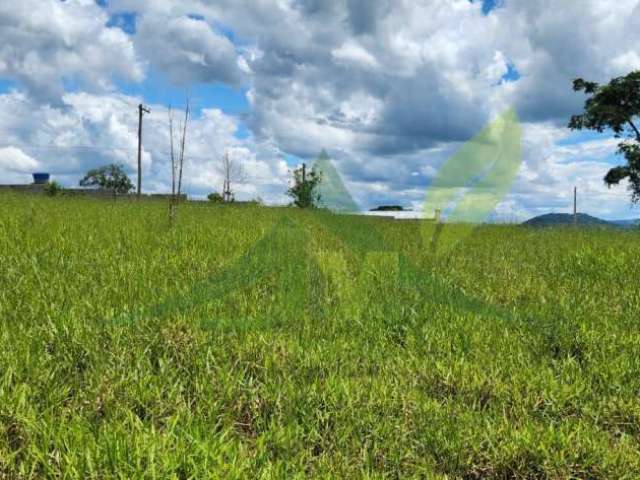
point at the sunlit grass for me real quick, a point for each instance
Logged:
(250, 342)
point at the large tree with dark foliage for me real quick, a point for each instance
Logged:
(615, 107)
(109, 177)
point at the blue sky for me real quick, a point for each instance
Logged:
(488, 5)
(157, 89)
(123, 20)
(389, 104)
(6, 85)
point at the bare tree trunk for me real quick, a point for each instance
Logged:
(172, 201)
(173, 158)
(182, 148)
(232, 172)
(177, 164)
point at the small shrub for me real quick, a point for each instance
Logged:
(52, 189)
(215, 197)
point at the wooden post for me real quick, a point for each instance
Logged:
(575, 205)
(141, 110)
(226, 188)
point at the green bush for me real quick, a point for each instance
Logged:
(215, 197)
(52, 188)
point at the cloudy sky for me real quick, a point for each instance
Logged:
(390, 88)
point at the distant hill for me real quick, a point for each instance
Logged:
(558, 219)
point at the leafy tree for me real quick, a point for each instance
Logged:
(615, 107)
(304, 189)
(215, 197)
(109, 177)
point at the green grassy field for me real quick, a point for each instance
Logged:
(252, 342)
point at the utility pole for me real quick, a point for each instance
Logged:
(141, 110)
(226, 189)
(575, 205)
(304, 173)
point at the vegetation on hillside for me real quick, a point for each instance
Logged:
(559, 219)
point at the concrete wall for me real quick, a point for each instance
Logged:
(87, 192)
(30, 188)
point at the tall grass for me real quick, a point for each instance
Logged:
(251, 342)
